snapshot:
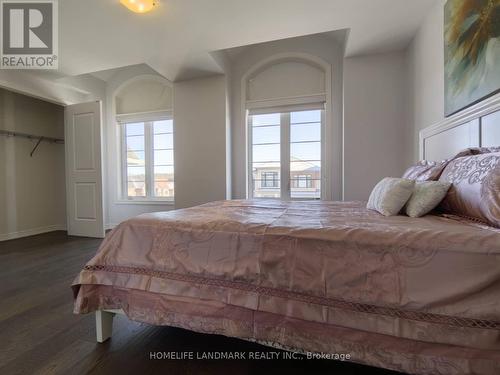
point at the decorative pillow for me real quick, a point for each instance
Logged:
(426, 196)
(477, 151)
(431, 171)
(390, 195)
(475, 192)
(425, 170)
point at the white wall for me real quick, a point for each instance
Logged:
(32, 189)
(369, 114)
(320, 46)
(200, 141)
(117, 209)
(199, 108)
(224, 62)
(375, 121)
(425, 57)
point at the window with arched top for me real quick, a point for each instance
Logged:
(285, 109)
(144, 113)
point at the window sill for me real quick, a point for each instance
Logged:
(145, 202)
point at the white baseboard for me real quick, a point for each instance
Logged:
(31, 232)
(109, 226)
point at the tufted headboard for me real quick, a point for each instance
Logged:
(478, 126)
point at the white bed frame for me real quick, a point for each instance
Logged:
(477, 126)
(104, 323)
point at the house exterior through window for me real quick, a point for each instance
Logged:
(285, 154)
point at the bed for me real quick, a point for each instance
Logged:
(417, 295)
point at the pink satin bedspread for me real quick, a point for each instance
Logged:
(416, 295)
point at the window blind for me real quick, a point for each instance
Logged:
(287, 108)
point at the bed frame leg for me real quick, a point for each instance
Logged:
(103, 325)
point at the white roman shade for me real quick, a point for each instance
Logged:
(143, 116)
(284, 108)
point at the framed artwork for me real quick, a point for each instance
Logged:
(472, 52)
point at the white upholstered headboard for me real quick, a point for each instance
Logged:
(477, 126)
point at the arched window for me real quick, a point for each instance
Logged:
(144, 113)
(285, 101)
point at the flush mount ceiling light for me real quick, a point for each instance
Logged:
(140, 6)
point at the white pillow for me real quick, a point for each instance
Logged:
(426, 196)
(390, 195)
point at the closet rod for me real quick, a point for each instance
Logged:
(40, 138)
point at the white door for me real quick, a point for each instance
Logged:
(84, 198)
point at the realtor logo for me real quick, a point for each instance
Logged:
(29, 34)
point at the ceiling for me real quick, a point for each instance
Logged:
(176, 39)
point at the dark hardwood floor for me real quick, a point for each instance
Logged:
(39, 334)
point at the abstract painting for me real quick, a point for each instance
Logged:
(472, 52)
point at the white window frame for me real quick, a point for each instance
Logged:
(285, 181)
(148, 119)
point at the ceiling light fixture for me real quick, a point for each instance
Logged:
(140, 6)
